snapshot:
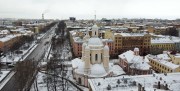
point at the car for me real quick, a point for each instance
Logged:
(10, 65)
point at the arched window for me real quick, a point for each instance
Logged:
(96, 57)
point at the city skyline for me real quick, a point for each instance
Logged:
(85, 9)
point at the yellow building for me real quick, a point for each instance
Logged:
(108, 35)
(162, 63)
(160, 30)
(150, 29)
(162, 44)
(175, 58)
(128, 41)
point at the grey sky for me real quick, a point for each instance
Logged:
(84, 9)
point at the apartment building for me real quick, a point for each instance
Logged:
(163, 63)
(128, 41)
(132, 63)
(7, 41)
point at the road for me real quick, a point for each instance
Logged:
(36, 55)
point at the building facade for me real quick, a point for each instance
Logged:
(127, 41)
(163, 63)
(94, 61)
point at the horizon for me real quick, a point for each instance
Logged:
(84, 9)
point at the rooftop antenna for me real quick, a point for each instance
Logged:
(42, 16)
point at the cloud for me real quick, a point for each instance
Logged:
(85, 8)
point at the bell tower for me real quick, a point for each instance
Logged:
(95, 31)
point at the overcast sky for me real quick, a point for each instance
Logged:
(85, 9)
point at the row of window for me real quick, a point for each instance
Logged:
(161, 67)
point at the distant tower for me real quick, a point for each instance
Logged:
(95, 32)
(95, 15)
(42, 16)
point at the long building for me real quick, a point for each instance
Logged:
(122, 42)
(117, 42)
(153, 82)
(165, 63)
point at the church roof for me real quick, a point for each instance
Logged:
(98, 70)
(94, 26)
(95, 41)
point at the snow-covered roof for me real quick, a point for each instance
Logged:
(163, 62)
(137, 61)
(163, 56)
(127, 55)
(141, 66)
(96, 70)
(95, 41)
(130, 83)
(130, 34)
(107, 40)
(4, 32)
(78, 39)
(7, 38)
(164, 39)
(94, 27)
(161, 40)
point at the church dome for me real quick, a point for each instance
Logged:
(98, 70)
(94, 27)
(95, 42)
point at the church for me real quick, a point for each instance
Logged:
(94, 62)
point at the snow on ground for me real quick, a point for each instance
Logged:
(4, 80)
(41, 85)
(13, 58)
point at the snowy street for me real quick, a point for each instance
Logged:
(36, 54)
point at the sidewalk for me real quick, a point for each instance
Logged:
(6, 78)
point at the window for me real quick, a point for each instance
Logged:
(96, 57)
(90, 56)
(101, 56)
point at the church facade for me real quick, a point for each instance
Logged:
(94, 62)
